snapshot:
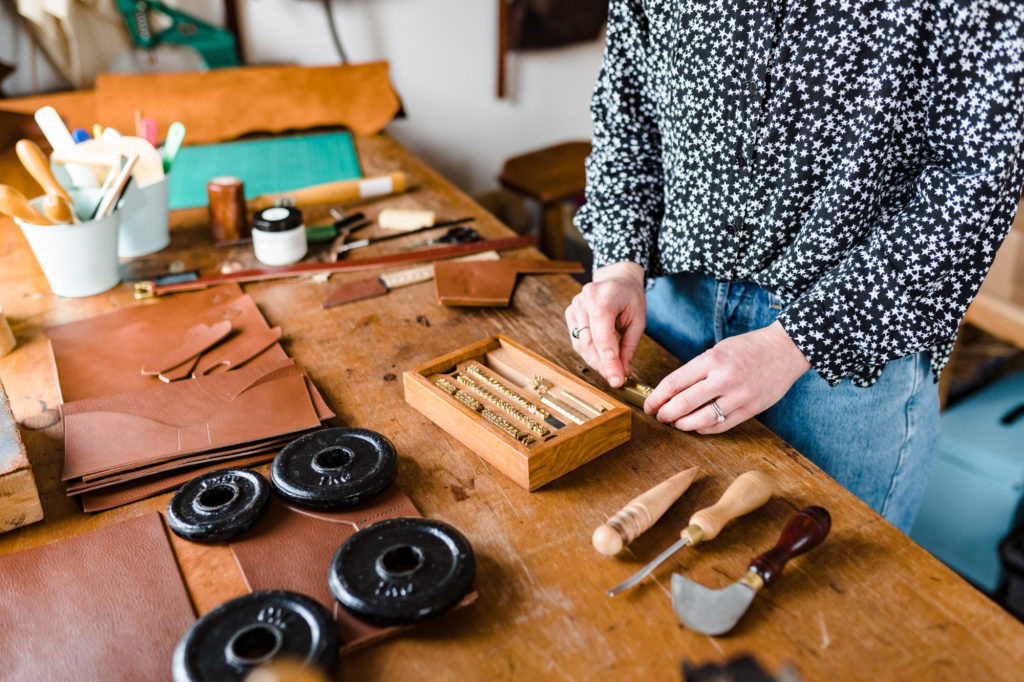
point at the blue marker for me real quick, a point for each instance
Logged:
(80, 135)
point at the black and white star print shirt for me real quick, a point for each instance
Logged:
(861, 159)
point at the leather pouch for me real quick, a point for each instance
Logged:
(128, 430)
(267, 555)
(489, 283)
(107, 605)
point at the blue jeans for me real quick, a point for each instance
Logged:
(878, 442)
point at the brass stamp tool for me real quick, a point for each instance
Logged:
(641, 513)
(475, 405)
(490, 397)
(595, 410)
(508, 392)
(747, 493)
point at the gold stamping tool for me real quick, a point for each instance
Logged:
(490, 397)
(475, 405)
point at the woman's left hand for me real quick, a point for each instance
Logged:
(744, 375)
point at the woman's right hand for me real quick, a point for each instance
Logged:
(613, 302)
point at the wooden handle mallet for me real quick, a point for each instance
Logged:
(748, 492)
(641, 513)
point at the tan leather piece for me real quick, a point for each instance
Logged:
(237, 351)
(133, 491)
(102, 355)
(489, 283)
(219, 105)
(224, 456)
(107, 605)
(267, 554)
(168, 421)
(197, 339)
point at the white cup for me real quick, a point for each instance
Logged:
(144, 228)
(78, 259)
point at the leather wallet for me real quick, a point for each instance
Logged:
(489, 283)
(107, 605)
(168, 421)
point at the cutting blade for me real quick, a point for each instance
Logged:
(649, 568)
(709, 612)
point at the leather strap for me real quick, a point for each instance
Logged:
(401, 258)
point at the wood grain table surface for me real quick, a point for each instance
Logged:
(866, 604)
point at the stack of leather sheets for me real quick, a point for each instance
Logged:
(158, 393)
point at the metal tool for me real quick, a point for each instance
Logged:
(152, 23)
(744, 495)
(376, 240)
(641, 513)
(715, 612)
(454, 235)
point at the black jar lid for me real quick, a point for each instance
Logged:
(277, 219)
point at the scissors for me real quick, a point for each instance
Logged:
(454, 235)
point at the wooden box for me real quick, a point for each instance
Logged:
(544, 457)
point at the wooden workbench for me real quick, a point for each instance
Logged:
(867, 604)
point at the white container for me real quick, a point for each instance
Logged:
(78, 259)
(144, 215)
(144, 227)
(278, 236)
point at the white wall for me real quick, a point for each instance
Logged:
(443, 64)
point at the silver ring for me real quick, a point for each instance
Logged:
(718, 411)
(575, 333)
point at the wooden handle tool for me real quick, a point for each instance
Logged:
(641, 513)
(59, 210)
(744, 495)
(14, 204)
(38, 166)
(339, 191)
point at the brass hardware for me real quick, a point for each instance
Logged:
(144, 290)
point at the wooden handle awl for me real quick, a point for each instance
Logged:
(38, 166)
(641, 513)
(744, 495)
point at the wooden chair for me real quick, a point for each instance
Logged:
(550, 177)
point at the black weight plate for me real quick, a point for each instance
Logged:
(218, 505)
(402, 571)
(334, 468)
(241, 634)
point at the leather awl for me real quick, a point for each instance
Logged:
(747, 493)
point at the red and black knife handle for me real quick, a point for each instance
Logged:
(805, 531)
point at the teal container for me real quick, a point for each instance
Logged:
(976, 482)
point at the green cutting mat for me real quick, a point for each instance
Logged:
(275, 164)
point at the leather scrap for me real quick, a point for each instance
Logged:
(106, 605)
(197, 339)
(489, 283)
(216, 104)
(169, 421)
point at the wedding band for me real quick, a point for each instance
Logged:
(718, 411)
(575, 333)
